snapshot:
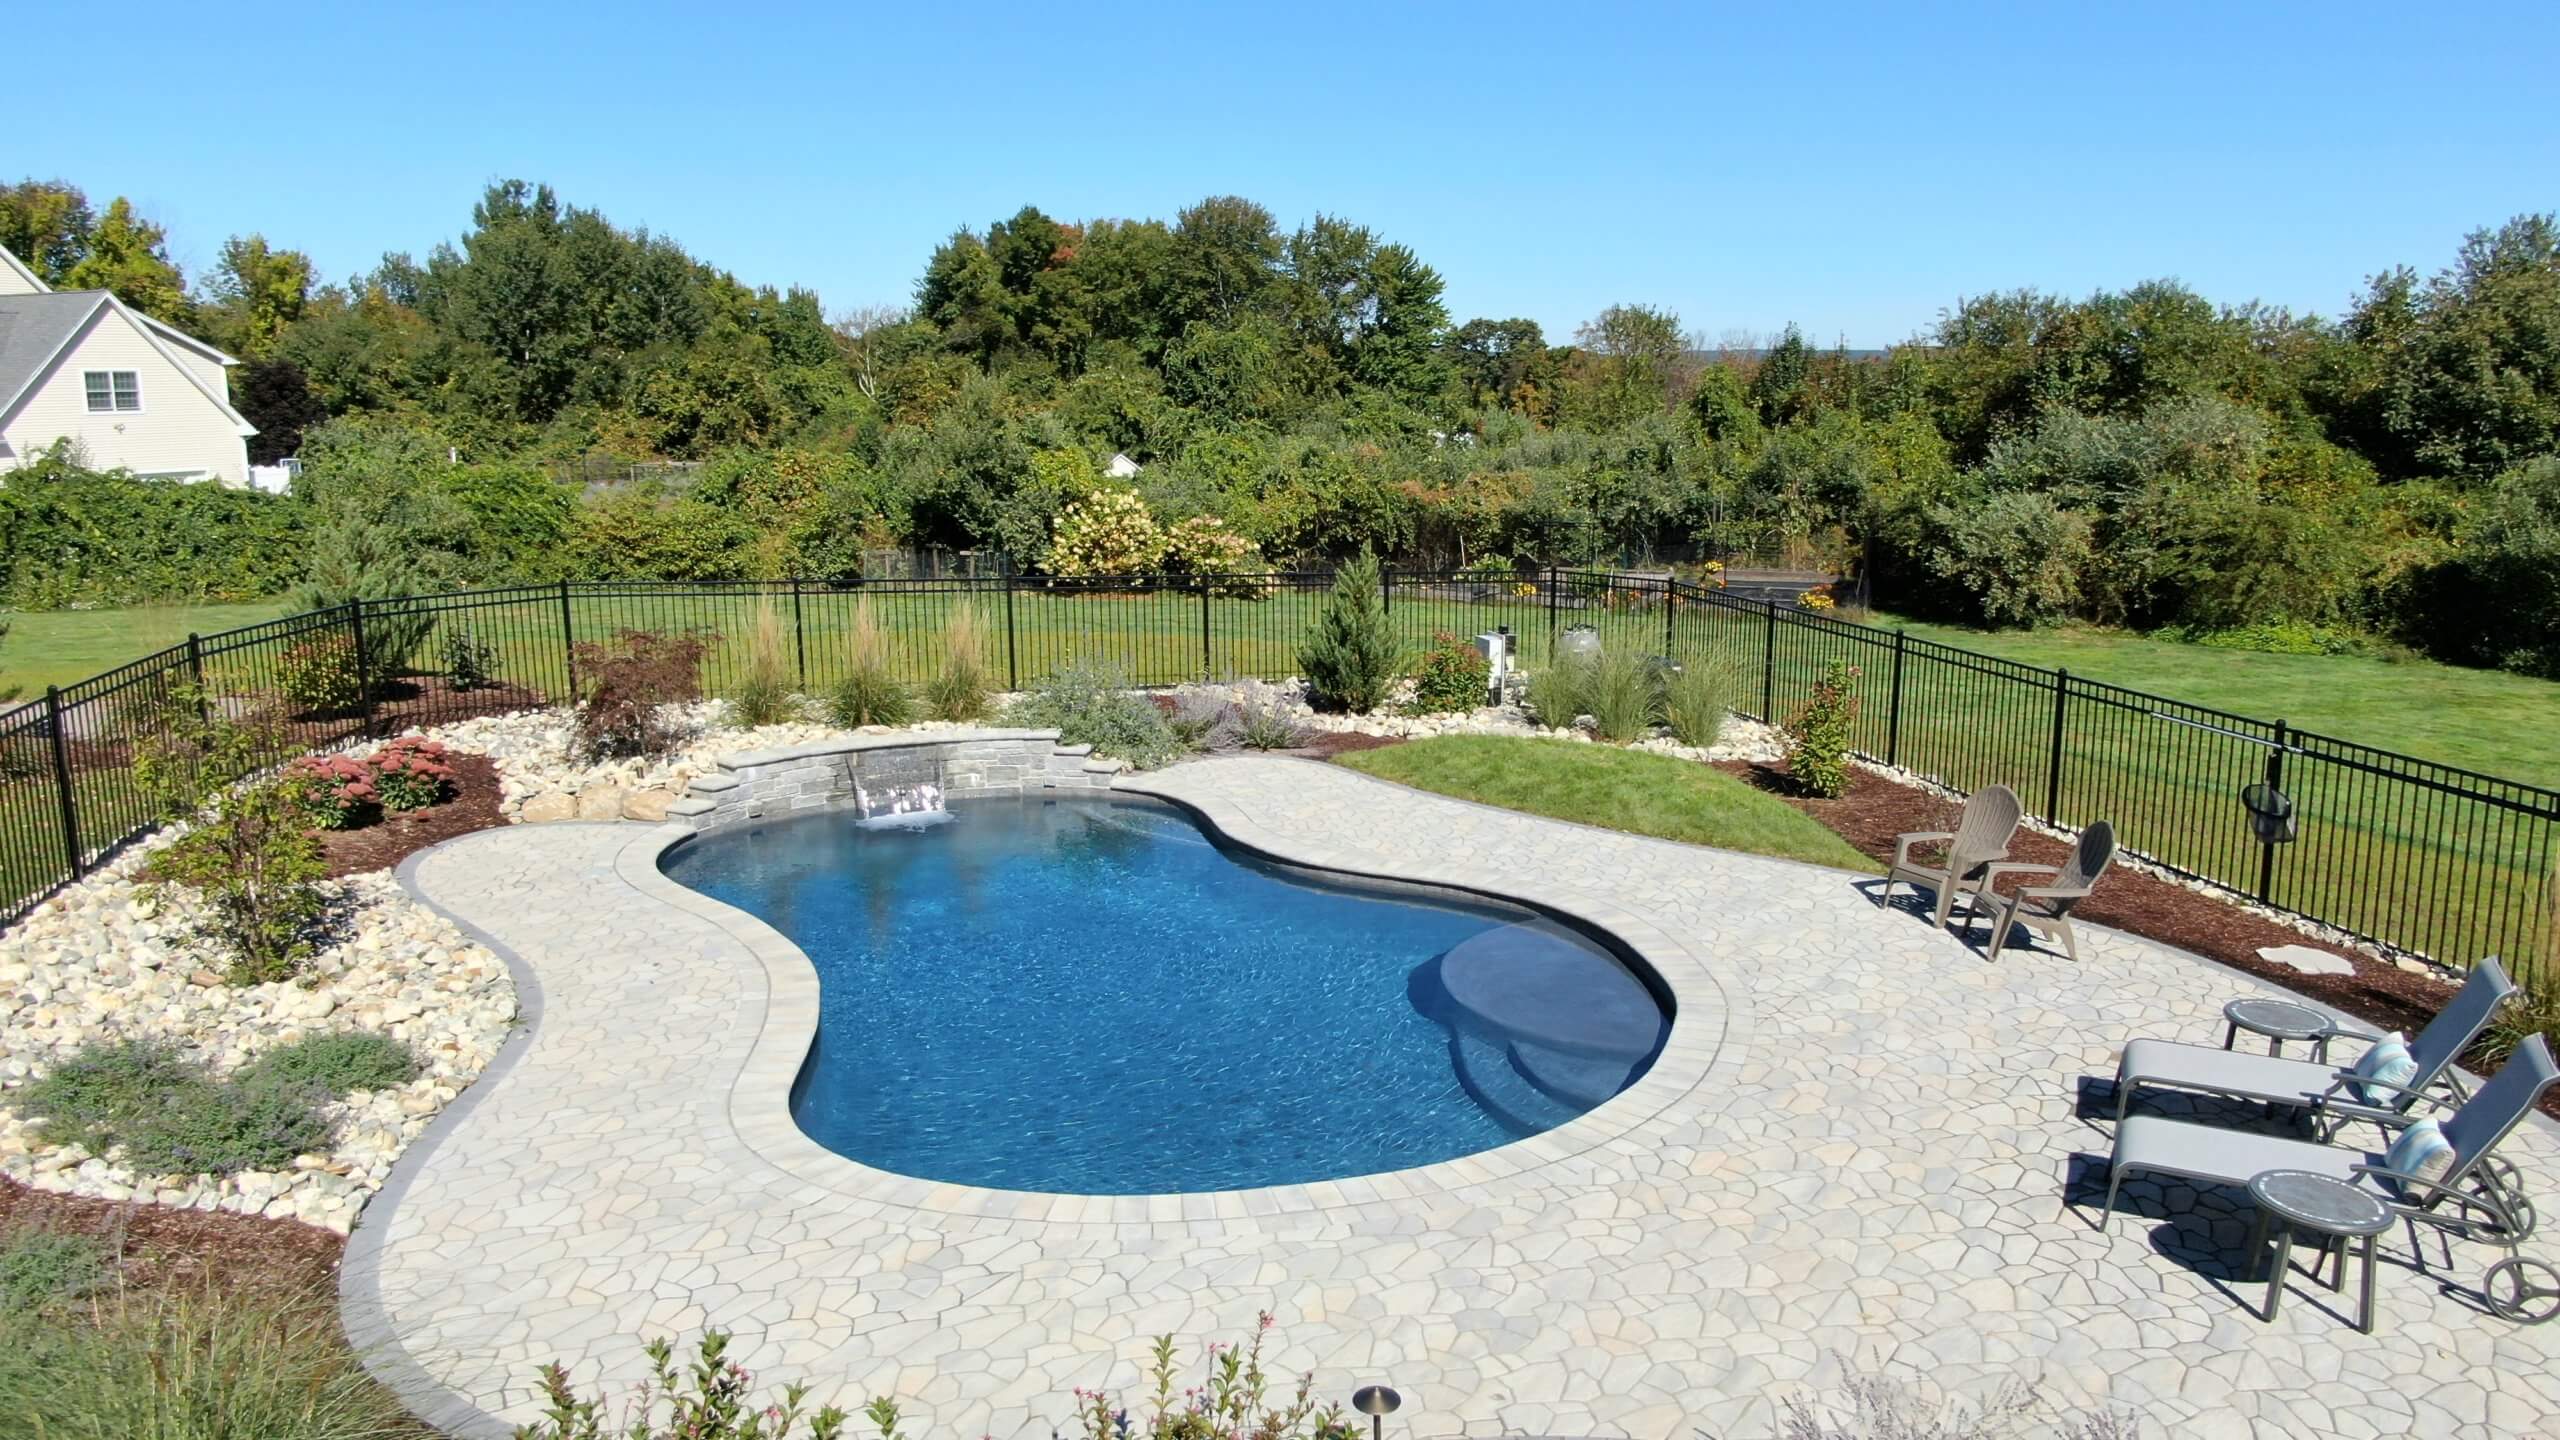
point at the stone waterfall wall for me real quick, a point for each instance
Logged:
(760, 784)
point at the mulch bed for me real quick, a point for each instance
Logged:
(1877, 809)
(393, 838)
(160, 1247)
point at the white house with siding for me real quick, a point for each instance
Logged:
(130, 391)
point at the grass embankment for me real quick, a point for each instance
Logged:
(58, 647)
(2485, 720)
(1615, 789)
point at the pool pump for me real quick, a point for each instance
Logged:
(1496, 645)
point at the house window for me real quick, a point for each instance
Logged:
(111, 390)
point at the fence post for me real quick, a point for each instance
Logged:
(2053, 772)
(2267, 852)
(568, 646)
(1012, 661)
(1769, 665)
(1386, 589)
(1893, 709)
(62, 778)
(1670, 605)
(364, 660)
(1551, 614)
(195, 674)
(799, 634)
(1204, 629)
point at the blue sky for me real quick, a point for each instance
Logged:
(1852, 168)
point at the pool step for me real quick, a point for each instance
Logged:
(1486, 1072)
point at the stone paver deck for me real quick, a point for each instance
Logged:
(1863, 1142)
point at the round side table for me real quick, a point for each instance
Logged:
(2291, 1201)
(2279, 1021)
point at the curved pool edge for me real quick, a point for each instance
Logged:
(759, 1097)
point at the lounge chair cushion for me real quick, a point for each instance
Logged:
(2388, 1061)
(2228, 1072)
(2421, 1151)
(2231, 1157)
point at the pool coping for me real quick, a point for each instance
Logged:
(760, 1096)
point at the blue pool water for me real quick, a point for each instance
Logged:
(1090, 996)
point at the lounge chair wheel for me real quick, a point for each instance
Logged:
(2504, 1172)
(2520, 1214)
(2525, 1291)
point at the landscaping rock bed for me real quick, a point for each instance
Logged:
(100, 962)
(1741, 739)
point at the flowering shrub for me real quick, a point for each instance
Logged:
(1109, 532)
(1451, 675)
(335, 790)
(710, 1402)
(411, 774)
(257, 866)
(1232, 1400)
(1204, 546)
(339, 791)
(1817, 599)
(1818, 733)
(320, 676)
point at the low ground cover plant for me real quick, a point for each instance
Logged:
(630, 681)
(1264, 725)
(173, 1116)
(1452, 675)
(1088, 703)
(42, 1267)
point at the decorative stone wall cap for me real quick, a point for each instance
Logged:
(1075, 749)
(1102, 767)
(691, 805)
(855, 744)
(712, 784)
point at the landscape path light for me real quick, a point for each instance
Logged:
(1377, 1402)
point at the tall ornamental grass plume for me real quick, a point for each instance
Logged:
(1696, 698)
(870, 692)
(1349, 655)
(762, 695)
(959, 687)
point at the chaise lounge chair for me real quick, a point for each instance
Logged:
(1980, 839)
(2046, 909)
(2316, 1084)
(2477, 1197)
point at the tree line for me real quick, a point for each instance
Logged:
(2143, 457)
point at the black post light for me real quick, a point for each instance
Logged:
(1377, 1402)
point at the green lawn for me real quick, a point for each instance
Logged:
(1612, 788)
(57, 647)
(2484, 720)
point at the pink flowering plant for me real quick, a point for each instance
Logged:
(411, 774)
(336, 791)
(710, 1401)
(340, 792)
(1232, 1402)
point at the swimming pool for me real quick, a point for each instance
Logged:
(1090, 995)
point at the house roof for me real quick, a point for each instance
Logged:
(34, 329)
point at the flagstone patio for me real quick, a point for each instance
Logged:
(1863, 1142)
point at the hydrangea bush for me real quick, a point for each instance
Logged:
(1109, 532)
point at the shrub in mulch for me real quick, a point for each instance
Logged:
(395, 837)
(1876, 810)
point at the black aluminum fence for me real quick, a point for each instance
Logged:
(2423, 858)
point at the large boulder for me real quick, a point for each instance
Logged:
(557, 805)
(600, 802)
(649, 805)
